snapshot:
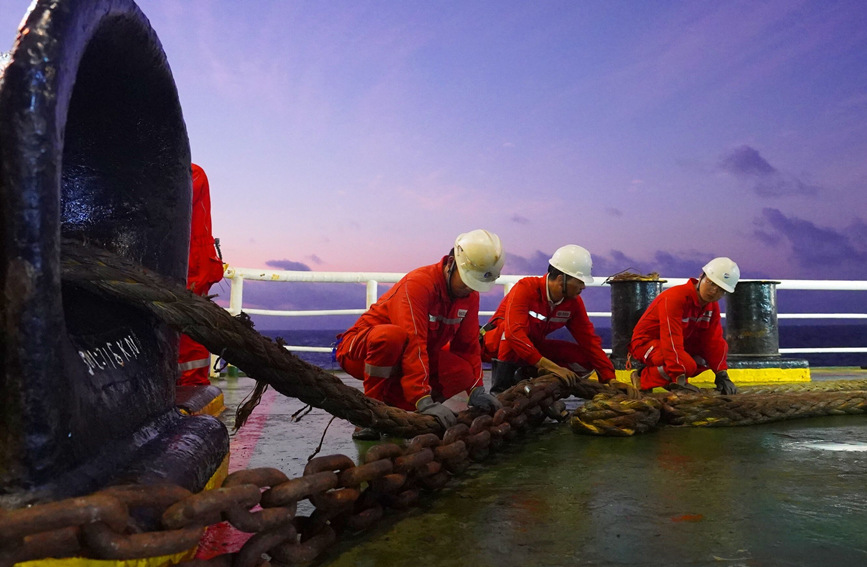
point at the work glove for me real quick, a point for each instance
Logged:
(444, 415)
(624, 388)
(681, 385)
(483, 400)
(724, 385)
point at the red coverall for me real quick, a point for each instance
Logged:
(674, 332)
(525, 317)
(415, 341)
(204, 269)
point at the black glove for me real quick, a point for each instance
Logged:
(681, 385)
(444, 415)
(724, 385)
(484, 401)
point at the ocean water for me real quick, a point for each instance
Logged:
(791, 336)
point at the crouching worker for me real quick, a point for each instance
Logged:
(680, 335)
(418, 345)
(515, 339)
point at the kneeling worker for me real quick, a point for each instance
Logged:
(515, 337)
(418, 345)
(680, 335)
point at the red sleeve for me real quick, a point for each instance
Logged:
(671, 312)
(717, 348)
(204, 267)
(465, 343)
(410, 311)
(517, 322)
(584, 333)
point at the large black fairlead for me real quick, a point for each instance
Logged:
(93, 146)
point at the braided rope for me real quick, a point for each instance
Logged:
(618, 416)
(823, 386)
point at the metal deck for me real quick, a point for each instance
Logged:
(787, 493)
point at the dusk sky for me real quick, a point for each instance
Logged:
(343, 136)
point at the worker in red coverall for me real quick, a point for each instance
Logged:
(679, 336)
(205, 269)
(516, 336)
(419, 344)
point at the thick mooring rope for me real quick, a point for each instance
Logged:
(117, 278)
(605, 415)
(608, 413)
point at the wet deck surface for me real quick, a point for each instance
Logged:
(787, 493)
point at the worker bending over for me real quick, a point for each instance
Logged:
(515, 339)
(418, 345)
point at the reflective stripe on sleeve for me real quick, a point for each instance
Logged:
(435, 318)
(378, 371)
(192, 364)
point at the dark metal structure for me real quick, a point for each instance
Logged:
(629, 300)
(93, 146)
(751, 327)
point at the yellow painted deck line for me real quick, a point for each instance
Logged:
(215, 407)
(743, 376)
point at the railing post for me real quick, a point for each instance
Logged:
(236, 295)
(629, 300)
(372, 288)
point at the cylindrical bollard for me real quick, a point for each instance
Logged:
(629, 300)
(751, 320)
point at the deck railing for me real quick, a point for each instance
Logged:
(237, 276)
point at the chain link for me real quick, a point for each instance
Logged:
(346, 496)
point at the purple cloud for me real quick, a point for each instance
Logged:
(535, 264)
(821, 252)
(315, 259)
(746, 161)
(516, 218)
(665, 263)
(748, 165)
(288, 265)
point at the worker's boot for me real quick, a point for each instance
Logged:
(504, 375)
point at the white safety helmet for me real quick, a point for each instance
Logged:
(479, 258)
(573, 260)
(723, 272)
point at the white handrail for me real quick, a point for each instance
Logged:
(372, 280)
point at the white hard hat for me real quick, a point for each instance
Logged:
(479, 258)
(573, 260)
(723, 272)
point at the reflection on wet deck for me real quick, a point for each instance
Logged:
(786, 493)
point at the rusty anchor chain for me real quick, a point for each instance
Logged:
(346, 497)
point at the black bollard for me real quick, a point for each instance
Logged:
(751, 329)
(93, 146)
(751, 320)
(629, 300)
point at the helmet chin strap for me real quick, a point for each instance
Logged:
(449, 271)
(698, 290)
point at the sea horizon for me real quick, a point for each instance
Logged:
(792, 335)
